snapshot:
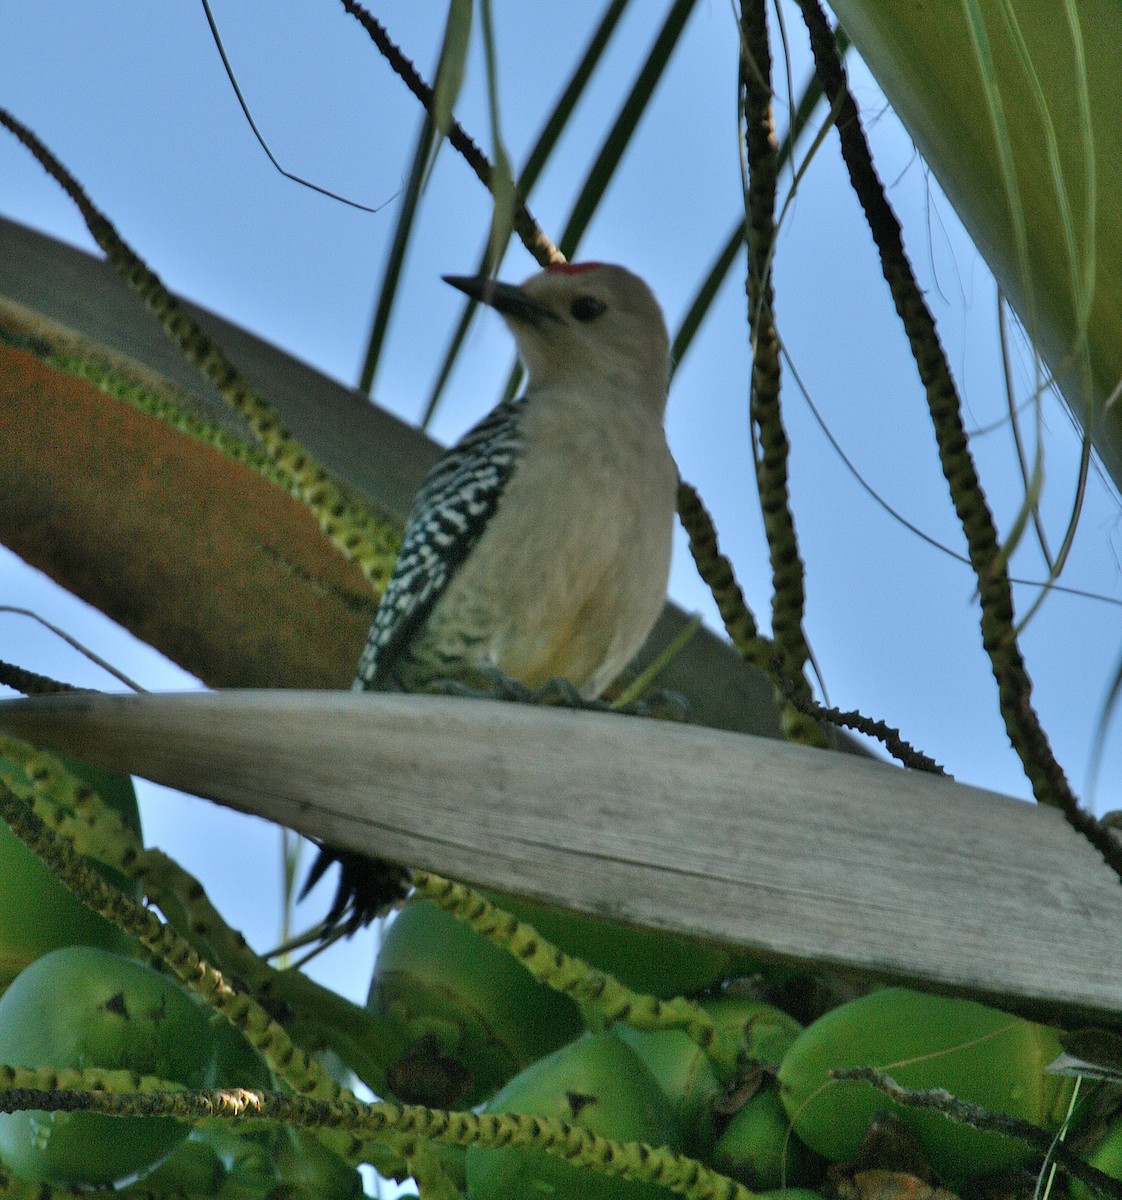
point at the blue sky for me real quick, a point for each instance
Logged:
(133, 98)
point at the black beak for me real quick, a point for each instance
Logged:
(505, 298)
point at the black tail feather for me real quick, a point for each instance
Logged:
(367, 888)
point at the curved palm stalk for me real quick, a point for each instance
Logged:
(789, 599)
(705, 295)
(502, 174)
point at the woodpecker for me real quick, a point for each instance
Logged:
(538, 547)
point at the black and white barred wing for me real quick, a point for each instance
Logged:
(448, 517)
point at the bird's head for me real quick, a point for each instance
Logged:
(580, 322)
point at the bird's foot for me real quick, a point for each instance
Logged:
(560, 693)
(489, 683)
(663, 705)
(493, 684)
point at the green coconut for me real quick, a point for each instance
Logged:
(766, 1033)
(477, 1016)
(759, 1148)
(37, 912)
(595, 1082)
(976, 1053)
(687, 1079)
(85, 1007)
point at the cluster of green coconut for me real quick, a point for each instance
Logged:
(780, 1125)
(75, 996)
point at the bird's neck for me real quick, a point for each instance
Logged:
(590, 395)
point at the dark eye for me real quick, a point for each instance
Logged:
(587, 308)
